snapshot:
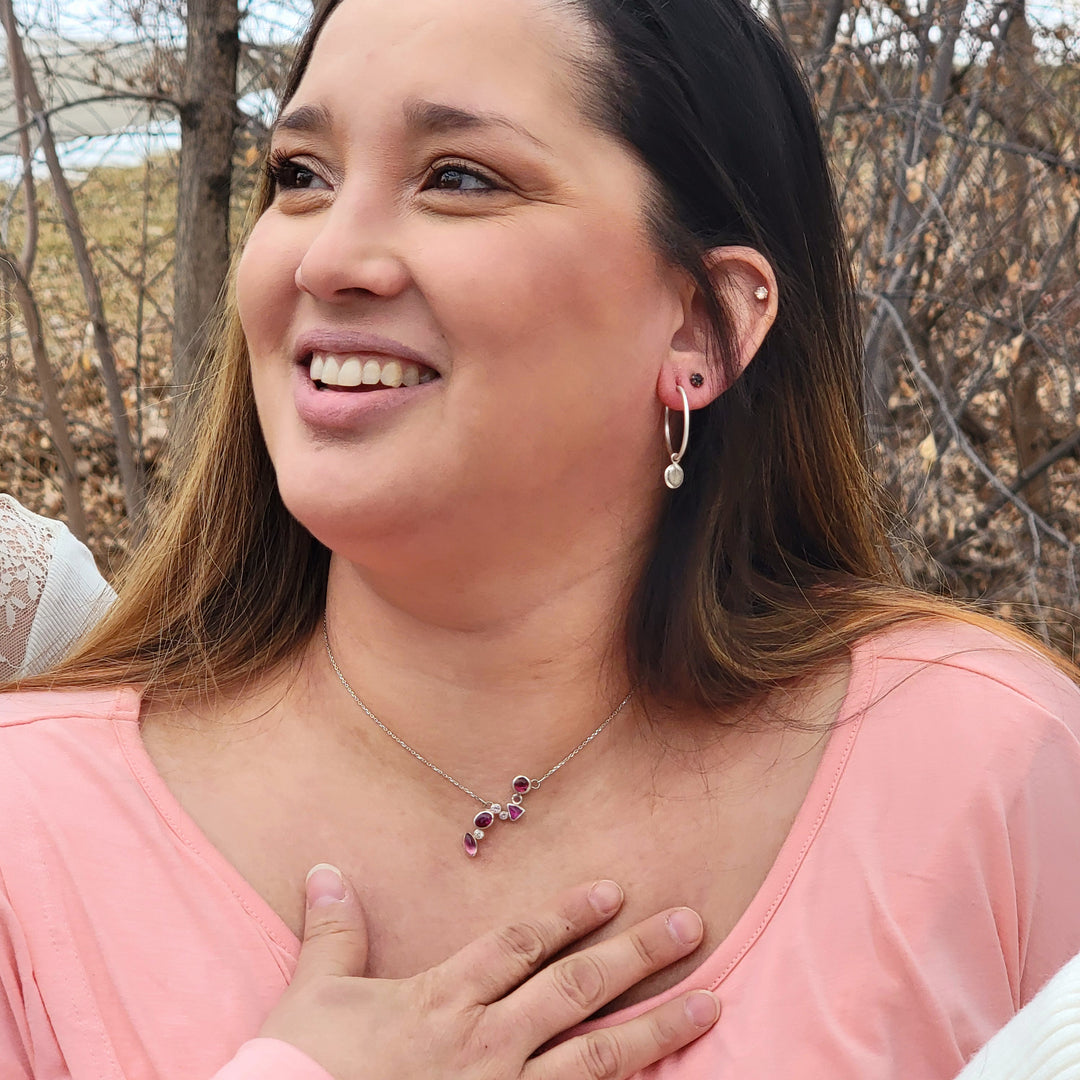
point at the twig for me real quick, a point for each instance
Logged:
(961, 439)
(1062, 449)
(34, 122)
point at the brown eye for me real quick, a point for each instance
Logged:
(290, 175)
(458, 178)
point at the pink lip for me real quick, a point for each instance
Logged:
(344, 412)
(345, 342)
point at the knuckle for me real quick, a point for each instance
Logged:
(580, 980)
(601, 1057)
(430, 990)
(523, 942)
(648, 953)
(667, 1032)
(329, 993)
(334, 930)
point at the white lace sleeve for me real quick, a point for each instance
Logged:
(50, 590)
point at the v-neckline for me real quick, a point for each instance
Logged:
(709, 974)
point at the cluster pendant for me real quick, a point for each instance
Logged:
(512, 811)
(520, 786)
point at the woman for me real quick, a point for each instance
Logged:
(438, 604)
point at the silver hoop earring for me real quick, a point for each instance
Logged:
(673, 474)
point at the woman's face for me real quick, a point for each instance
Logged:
(445, 217)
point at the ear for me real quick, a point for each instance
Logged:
(745, 281)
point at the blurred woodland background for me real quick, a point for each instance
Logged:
(132, 135)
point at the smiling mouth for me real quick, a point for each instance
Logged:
(333, 371)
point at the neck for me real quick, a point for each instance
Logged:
(511, 684)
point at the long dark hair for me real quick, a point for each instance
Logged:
(771, 559)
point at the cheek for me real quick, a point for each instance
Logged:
(558, 334)
(265, 282)
(580, 297)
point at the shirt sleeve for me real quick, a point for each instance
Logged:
(1043, 823)
(75, 596)
(257, 1059)
(15, 1062)
(1042, 1042)
(51, 591)
(271, 1059)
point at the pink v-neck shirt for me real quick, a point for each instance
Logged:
(929, 886)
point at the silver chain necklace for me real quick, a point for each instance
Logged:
(492, 811)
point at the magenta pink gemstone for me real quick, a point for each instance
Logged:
(515, 811)
(483, 819)
(521, 784)
(471, 846)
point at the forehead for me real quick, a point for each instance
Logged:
(516, 54)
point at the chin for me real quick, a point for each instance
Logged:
(351, 517)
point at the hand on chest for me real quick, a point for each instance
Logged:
(425, 899)
(700, 830)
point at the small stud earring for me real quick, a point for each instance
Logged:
(697, 379)
(762, 292)
(673, 474)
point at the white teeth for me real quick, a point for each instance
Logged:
(350, 372)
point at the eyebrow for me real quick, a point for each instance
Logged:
(431, 117)
(313, 119)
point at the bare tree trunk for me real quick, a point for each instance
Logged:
(208, 124)
(130, 473)
(830, 25)
(50, 394)
(17, 273)
(903, 234)
(1029, 426)
(1028, 421)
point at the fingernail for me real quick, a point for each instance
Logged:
(685, 926)
(605, 897)
(325, 885)
(702, 1008)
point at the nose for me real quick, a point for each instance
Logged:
(352, 253)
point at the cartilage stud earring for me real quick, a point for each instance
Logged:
(762, 292)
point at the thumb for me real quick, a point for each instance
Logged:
(335, 934)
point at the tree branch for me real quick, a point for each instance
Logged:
(56, 110)
(961, 440)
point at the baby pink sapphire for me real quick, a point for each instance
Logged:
(471, 846)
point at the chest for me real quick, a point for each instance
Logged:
(670, 836)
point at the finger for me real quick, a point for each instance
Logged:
(573, 988)
(618, 1052)
(494, 964)
(335, 934)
